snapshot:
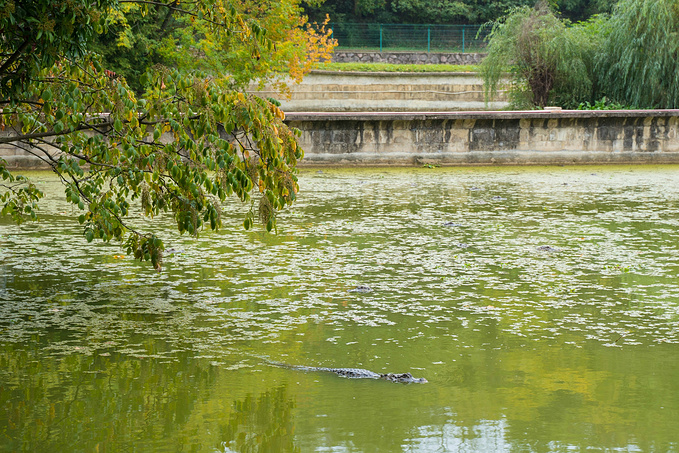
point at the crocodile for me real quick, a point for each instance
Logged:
(547, 248)
(361, 289)
(358, 373)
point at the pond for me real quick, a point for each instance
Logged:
(541, 304)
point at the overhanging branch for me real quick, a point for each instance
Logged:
(10, 61)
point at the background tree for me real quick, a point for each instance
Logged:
(630, 58)
(181, 144)
(437, 11)
(443, 11)
(639, 60)
(547, 60)
(143, 35)
(581, 10)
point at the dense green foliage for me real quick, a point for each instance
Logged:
(601, 104)
(547, 59)
(142, 35)
(442, 11)
(34, 34)
(639, 62)
(630, 58)
(181, 142)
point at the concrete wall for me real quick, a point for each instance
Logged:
(358, 56)
(329, 91)
(23, 158)
(478, 138)
(474, 138)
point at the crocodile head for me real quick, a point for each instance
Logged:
(405, 378)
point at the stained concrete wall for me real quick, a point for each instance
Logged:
(473, 138)
(478, 138)
(331, 91)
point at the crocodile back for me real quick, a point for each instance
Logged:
(353, 373)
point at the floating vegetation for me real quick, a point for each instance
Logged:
(485, 306)
(259, 283)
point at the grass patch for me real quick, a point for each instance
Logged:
(387, 67)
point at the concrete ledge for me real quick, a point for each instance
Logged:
(446, 102)
(331, 91)
(395, 75)
(489, 138)
(474, 115)
(488, 158)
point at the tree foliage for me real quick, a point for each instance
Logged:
(547, 59)
(580, 10)
(34, 34)
(442, 11)
(630, 58)
(182, 143)
(143, 35)
(639, 62)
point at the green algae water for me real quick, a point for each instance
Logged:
(542, 305)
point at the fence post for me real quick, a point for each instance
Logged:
(380, 38)
(428, 39)
(463, 39)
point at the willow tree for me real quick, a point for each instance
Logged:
(545, 58)
(182, 143)
(639, 62)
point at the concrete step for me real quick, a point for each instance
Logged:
(326, 91)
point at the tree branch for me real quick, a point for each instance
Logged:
(168, 16)
(19, 138)
(179, 10)
(10, 61)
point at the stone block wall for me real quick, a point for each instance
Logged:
(358, 56)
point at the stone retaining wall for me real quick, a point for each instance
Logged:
(331, 91)
(359, 56)
(19, 158)
(478, 138)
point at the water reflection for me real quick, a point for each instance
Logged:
(541, 305)
(261, 423)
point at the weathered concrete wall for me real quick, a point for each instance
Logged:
(474, 138)
(358, 56)
(23, 158)
(478, 138)
(329, 91)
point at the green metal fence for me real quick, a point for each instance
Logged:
(405, 37)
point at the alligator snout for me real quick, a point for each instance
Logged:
(405, 378)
